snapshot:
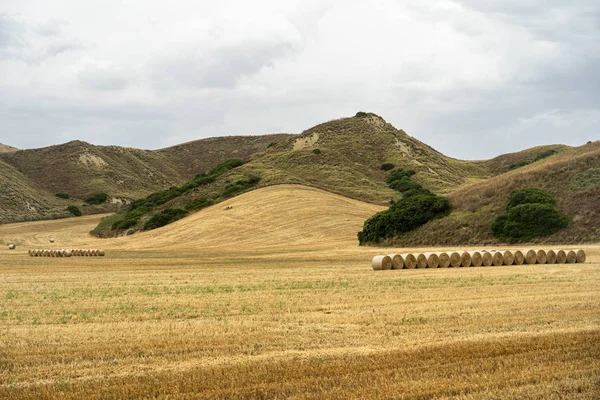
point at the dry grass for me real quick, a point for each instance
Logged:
(243, 313)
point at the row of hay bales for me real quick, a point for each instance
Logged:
(480, 258)
(66, 253)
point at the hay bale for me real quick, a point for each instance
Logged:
(51, 240)
(581, 257)
(68, 253)
(561, 256)
(530, 256)
(508, 257)
(381, 262)
(465, 259)
(455, 259)
(102, 253)
(497, 258)
(541, 257)
(410, 261)
(397, 260)
(571, 256)
(12, 246)
(421, 261)
(551, 257)
(433, 260)
(476, 258)
(444, 259)
(519, 257)
(486, 258)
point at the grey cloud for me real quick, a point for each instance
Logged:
(50, 28)
(103, 78)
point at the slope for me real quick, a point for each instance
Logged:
(7, 149)
(572, 177)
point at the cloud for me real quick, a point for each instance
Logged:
(106, 78)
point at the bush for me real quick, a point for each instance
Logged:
(387, 166)
(225, 166)
(316, 151)
(518, 165)
(165, 217)
(62, 196)
(526, 221)
(97, 198)
(404, 185)
(545, 154)
(400, 174)
(585, 180)
(405, 215)
(198, 204)
(528, 196)
(240, 186)
(361, 114)
(74, 210)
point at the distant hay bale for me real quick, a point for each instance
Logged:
(68, 253)
(486, 258)
(550, 257)
(465, 259)
(519, 257)
(12, 246)
(421, 261)
(59, 253)
(476, 258)
(444, 259)
(581, 257)
(571, 257)
(433, 260)
(381, 262)
(530, 256)
(455, 259)
(51, 240)
(410, 261)
(561, 256)
(497, 258)
(508, 257)
(102, 253)
(52, 253)
(397, 260)
(541, 257)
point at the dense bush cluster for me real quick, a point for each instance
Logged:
(198, 204)
(62, 196)
(164, 217)
(97, 198)
(417, 206)
(239, 186)
(387, 166)
(74, 210)
(316, 151)
(529, 213)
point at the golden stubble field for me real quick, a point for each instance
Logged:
(273, 299)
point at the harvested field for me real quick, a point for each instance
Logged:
(216, 312)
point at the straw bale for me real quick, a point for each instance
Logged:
(12, 246)
(486, 258)
(421, 261)
(102, 253)
(397, 260)
(476, 258)
(550, 257)
(433, 261)
(497, 258)
(530, 256)
(508, 257)
(455, 259)
(444, 259)
(381, 262)
(581, 257)
(51, 240)
(68, 253)
(541, 257)
(519, 257)
(561, 256)
(571, 256)
(410, 261)
(465, 259)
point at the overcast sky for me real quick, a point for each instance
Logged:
(471, 78)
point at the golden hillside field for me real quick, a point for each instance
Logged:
(272, 298)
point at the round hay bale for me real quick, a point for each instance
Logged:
(102, 253)
(519, 257)
(561, 256)
(508, 257)
(68, 253)
(51, 240)
(59, 253)
(12, 246)
(410, 261)
(381, 262)
(455, 259)
(486, 258)
(465, 259)
(497, 258)
(421, 261)
(530, 256)
(571, 256)
(52, 253)
(433, 260)
(541, 257)
(444, 259)
(581, 257)
(476, 258)
(551, 257)
(397, 260)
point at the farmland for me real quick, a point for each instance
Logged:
(272, 298)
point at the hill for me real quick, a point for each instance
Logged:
(7, 149)
(571, 176)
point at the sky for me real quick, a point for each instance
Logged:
(471, 78)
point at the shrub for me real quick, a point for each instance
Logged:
(97, 198)
(316, 151)
(387, 166)
(240, 186)
(198, 204)
(404, 185)
(585, 180)
(74, 210)
(225, 166)
(62, 196)
(518, 165)
(545, 154)
(528, 196)
(361, 114)
(400, 174)
(165, 217)
(405, 215)
(526, 221)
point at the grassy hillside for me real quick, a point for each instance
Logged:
(507, 162)
(572, 177)
(7, 149)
